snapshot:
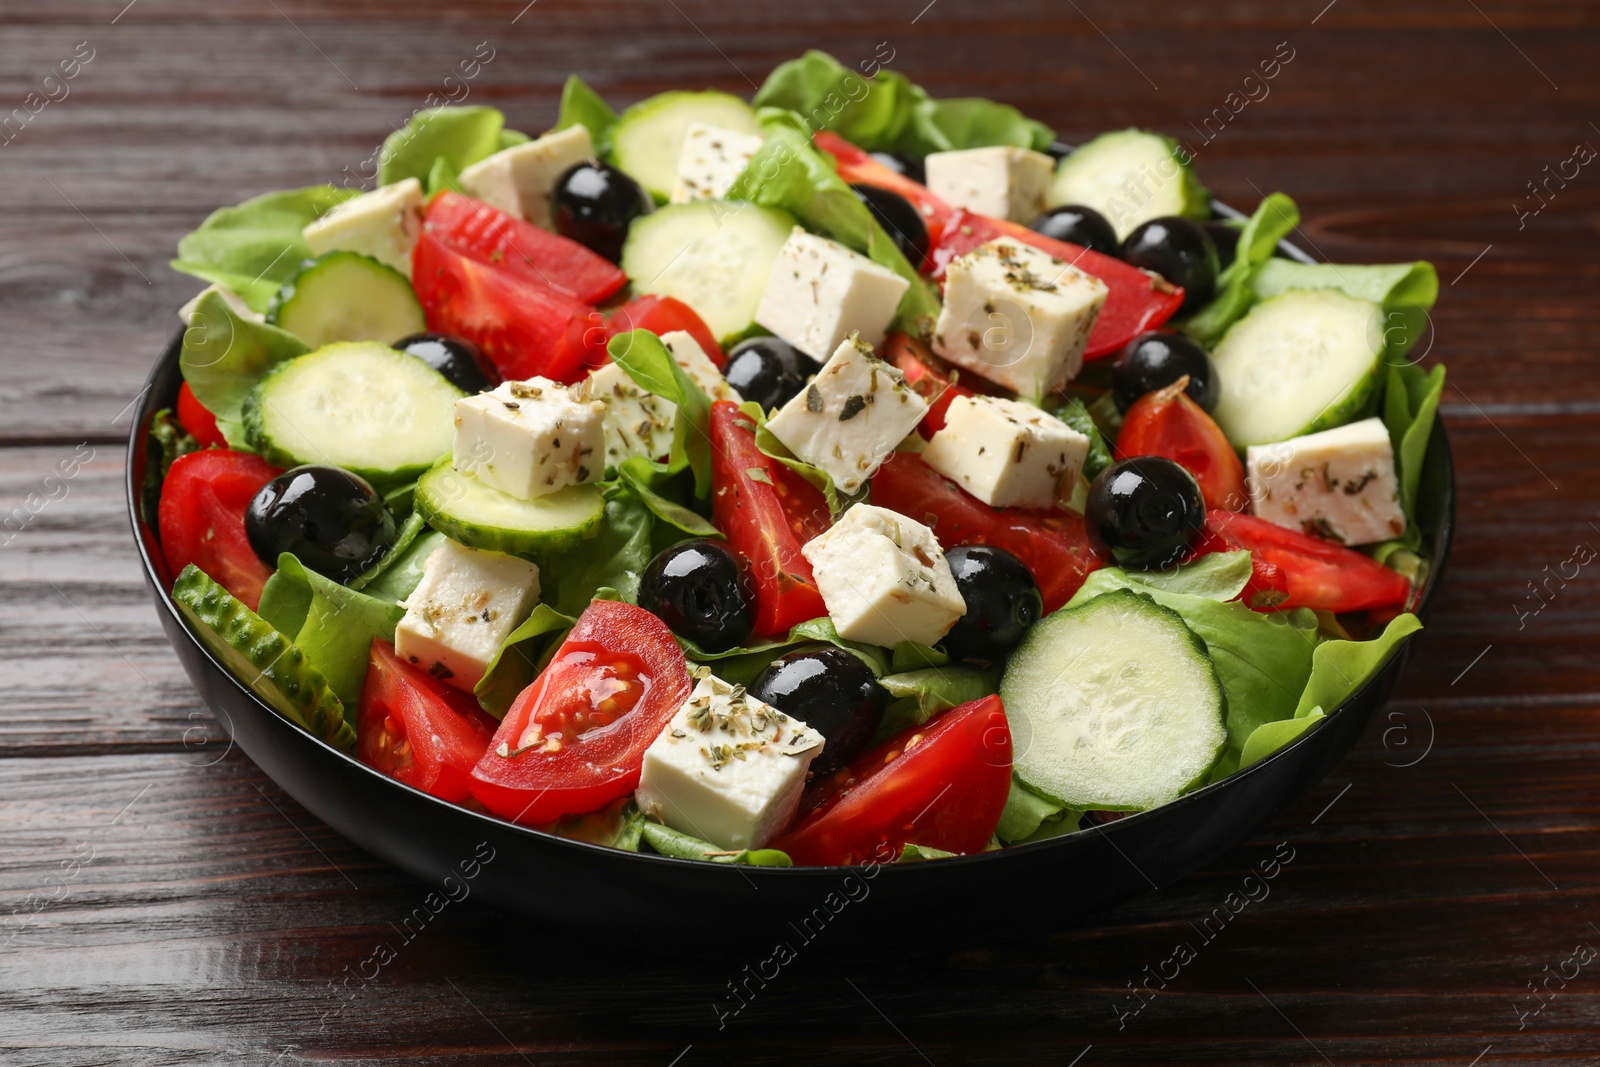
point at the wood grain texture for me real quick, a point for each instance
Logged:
(161, 902)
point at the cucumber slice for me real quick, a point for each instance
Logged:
(346, 296)
(1130, 176)
(465, 510)
(1304, 361)
(714, 255)
(648, 137)
(1114, 705)
(261, 657)
(359, 405)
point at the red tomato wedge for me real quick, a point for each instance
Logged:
(767, 512)
(1319, 574)
(201, 517)
(574, 740)
(921, 368)
(491, 236)
(418, 730)
(1138, 301)
(1169, 423)
(942, 785)
(663, 314)
(200, 423)
(859, 168)
(1053, 545)
(524, 326)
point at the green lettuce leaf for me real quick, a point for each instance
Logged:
(739, 666)
(788, 173)
(461, 136)
(443, 176)
(646, 360)
(223, 357)
(643, 477)
(1405, 291)
(166, 440)
(331, 623)
(922, 853)
(1339, 668)
(401, 576)
(254, 247)
(1214, 576)
(1028, 816)
(914, 656)
(1077, 416)
(919, 695)
(618, 825)
(1410, 404)
(520, 658)
(670, 842)
(613, 559)
(1274, 218)
(582, 106)
(404, 538)
(970, 122)
(1267, 738)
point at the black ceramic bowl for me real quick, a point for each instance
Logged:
(705, 909)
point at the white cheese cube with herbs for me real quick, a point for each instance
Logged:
(728, 768)
(637, 422)
(711, 159)
(531, 438)
(1003, 182)
(461, 612)
(884, 579)
(687, 353)
(1017, 316)
(1006, 453)
(1339, 484)
(383, 224)
(520, 180)
(850, 417)
(820, 292)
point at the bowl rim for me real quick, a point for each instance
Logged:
(133, 488)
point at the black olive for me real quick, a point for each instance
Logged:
(1225, 237)
(1079, 225)
(831, 691)
(594, 203)
(903, 165)
(1180, 251)
(1002, 598)
(1144, 511)
(333, 521)
(702, 590)
(899, 219)
(768, 370)
(459, 361)
(1154, 360)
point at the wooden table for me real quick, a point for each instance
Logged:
(162, 902)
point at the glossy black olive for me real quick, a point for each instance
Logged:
(831, 691)
(594, 203)
(1143, 512)
(1225, 237)
(1154, 360)
(768, 370)
(702, 590)
(1002, 599)
(1079, 225)
(459, 361)
(1180, 251)
(899, 219)
(906, 166)
(333, 521)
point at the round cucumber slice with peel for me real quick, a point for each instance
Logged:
(1130, 177)
(471, 513)
(346, 296)
(648, 137)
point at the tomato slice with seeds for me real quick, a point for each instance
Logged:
(767, 512)
(1317, 574)
(1053, 545)
(418, 730)
(492, 236)
(942, 785)
(201, 518)
(574, 740)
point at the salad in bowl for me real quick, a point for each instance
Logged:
(846, 476)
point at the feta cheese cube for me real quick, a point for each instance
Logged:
(637, 422)
(519, 180)
(851, 415)
(1006, 453)
(1339, 484)
(466, 605)
(1002, 182)
(728, 768)
(234, 301)
(711, 159)
(383, 224)
(530, 438)
(884, 578)
(687, 353)
(1018, 316)
(820, 292)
